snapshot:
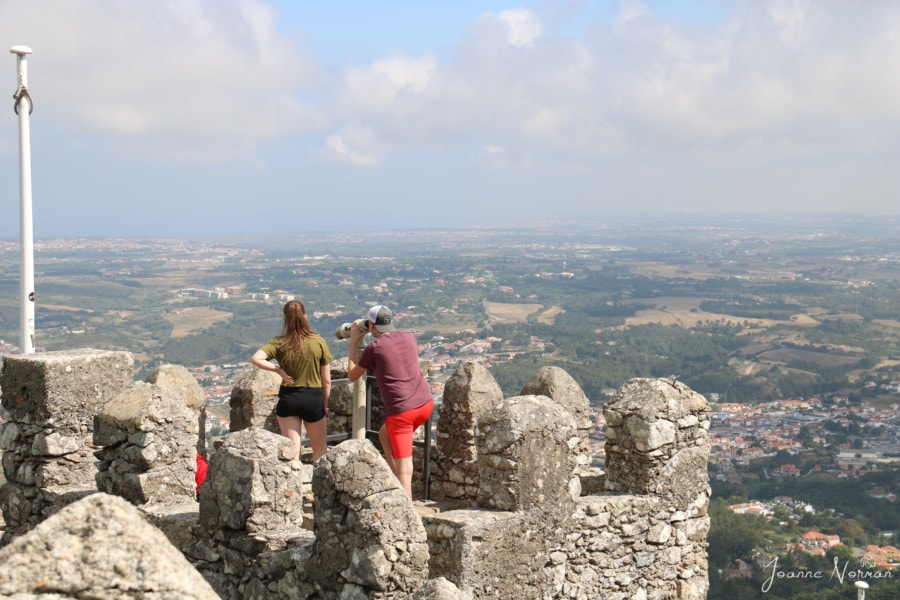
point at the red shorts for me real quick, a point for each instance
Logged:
(400, 428)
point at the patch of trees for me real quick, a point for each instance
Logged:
(779, 311)
(847, 497)
(731, 535)
(587, 338)
(601, 307)
(599, 361)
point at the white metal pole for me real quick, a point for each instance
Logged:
(861, 587)
(23, 107)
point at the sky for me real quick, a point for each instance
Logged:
(252, 117)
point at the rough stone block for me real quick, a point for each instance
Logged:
(498, 554)
(469, 393)
(650, 436)
(152, 445)
(526, 454)
(253, 401)
(251, 486)
(99, 547)
(368, 534)
(439, 589)
(559, 386)
(657, 441)
(63, 389)
(55, 443)
(10, 434)
(178, 383)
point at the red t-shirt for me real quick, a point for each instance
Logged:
(394, 357)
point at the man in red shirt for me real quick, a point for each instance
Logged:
(394, 358)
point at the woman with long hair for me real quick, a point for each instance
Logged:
(303, 360)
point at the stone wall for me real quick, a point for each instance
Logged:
(253, 401)
(559, 386)
(468, 394)
(508, 517)
(370, 540)
(50, 400)
(644, 537)
(182, 388)
(147, 440)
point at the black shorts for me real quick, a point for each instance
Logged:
(303, 402)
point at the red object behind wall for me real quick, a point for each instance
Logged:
(202, 467)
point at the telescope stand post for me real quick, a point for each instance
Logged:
(359, 403)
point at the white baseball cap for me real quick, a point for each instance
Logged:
(381, 318)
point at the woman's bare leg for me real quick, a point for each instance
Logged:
(290, 428)
(318, 433)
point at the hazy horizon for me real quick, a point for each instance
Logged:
(630, 229)
(255, 117)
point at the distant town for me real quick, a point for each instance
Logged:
(741, 434)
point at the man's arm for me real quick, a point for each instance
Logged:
(354, 371)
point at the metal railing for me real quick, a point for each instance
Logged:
(372, 434)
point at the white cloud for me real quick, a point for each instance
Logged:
(505, 82)
(356, 146)
(644, 83)
(213, 73)
(545, 122)
(791, 20)
(493, 157)
(773, 69)
(375, 88)
(522, 25)
(631, 10)
(217, 80)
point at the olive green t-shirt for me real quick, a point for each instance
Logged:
(303, 366)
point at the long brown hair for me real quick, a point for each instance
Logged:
(296, 326)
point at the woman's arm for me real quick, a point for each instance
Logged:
(325, 372)
(261, 361)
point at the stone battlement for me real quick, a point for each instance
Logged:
(100, 484)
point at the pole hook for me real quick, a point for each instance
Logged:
(23, 92)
